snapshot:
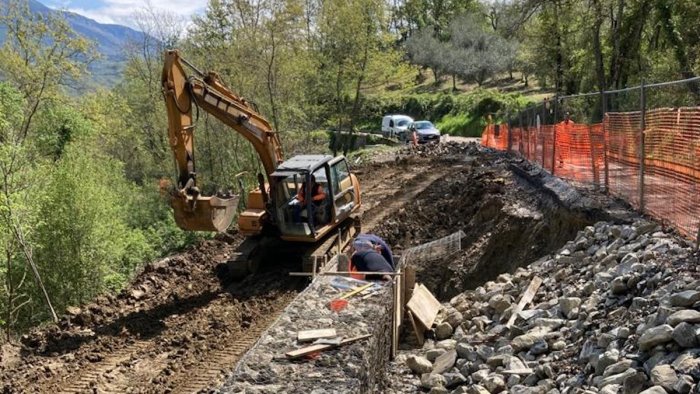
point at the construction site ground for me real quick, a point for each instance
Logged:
(182, 325)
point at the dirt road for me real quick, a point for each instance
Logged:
(180, 325)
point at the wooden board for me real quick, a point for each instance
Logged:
(310, 335)
(409, 280)
(417, 329)
(396, 316)
(527, 297)
(424, 306)
(319, 348)
(356, 291)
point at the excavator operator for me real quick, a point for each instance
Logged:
(318, 197)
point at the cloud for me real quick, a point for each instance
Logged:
(122, 11)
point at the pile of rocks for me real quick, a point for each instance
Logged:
(617, 311)
(355, 367)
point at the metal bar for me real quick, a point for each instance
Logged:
(554, 135)
(642, 126)
(542, 122)
(345, 273)
(605, 141)
(510, 137)
(633, 88)
(593, 164)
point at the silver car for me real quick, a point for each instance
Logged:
(425, 131)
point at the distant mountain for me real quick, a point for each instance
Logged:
(109, 39)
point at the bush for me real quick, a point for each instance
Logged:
(462, 125)
(461, 114)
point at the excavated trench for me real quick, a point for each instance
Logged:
(511, 213)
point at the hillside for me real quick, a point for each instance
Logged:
(109, 40)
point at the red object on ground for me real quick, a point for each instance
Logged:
(338, 305)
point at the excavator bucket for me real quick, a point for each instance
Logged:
(206, 214)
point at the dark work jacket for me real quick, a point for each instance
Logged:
(370, 260)
(385, 249)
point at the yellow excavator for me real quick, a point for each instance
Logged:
(273, 210)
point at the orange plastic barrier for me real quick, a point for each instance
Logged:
(608, 155)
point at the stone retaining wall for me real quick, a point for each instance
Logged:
(353, 368)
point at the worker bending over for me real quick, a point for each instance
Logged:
(380, 246)
(365, 258)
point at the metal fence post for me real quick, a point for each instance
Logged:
(642, 126)
(542, 123)
(510, 135)
(554, 135)
(593, 162)
(527, 127)
(520, 126)
(603, 103)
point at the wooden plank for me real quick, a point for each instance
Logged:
(527, 297)
(356, 291)
(396, 316)
(424, 306)
(417, 329)
(319, 348)
(409, 276)
(310, 335)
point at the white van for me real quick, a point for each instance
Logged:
(395, 125)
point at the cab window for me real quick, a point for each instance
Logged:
(340, 177)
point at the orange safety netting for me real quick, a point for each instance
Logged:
(608, 154)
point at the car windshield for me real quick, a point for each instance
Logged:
(423, 125)
(402, 122)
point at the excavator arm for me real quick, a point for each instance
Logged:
(182, 92)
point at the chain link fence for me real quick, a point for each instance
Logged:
(641, 144)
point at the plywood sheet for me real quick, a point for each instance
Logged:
(424, 306)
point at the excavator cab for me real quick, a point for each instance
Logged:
(310, 220)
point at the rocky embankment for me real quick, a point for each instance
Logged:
(618, 311)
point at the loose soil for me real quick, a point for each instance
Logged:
(507, 219)
(181, 324)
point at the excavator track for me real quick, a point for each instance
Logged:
(89, 377)
(202, 376)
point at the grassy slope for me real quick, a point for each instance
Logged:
(423, 90)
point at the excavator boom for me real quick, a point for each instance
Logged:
(182, 92)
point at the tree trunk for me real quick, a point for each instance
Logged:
(680, 50)
(271, 80)
(358, 87)
(597, 47)
(339, 109)
(10, 294)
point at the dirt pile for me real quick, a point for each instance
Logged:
(172, 317)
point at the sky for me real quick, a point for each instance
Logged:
(120, 11)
